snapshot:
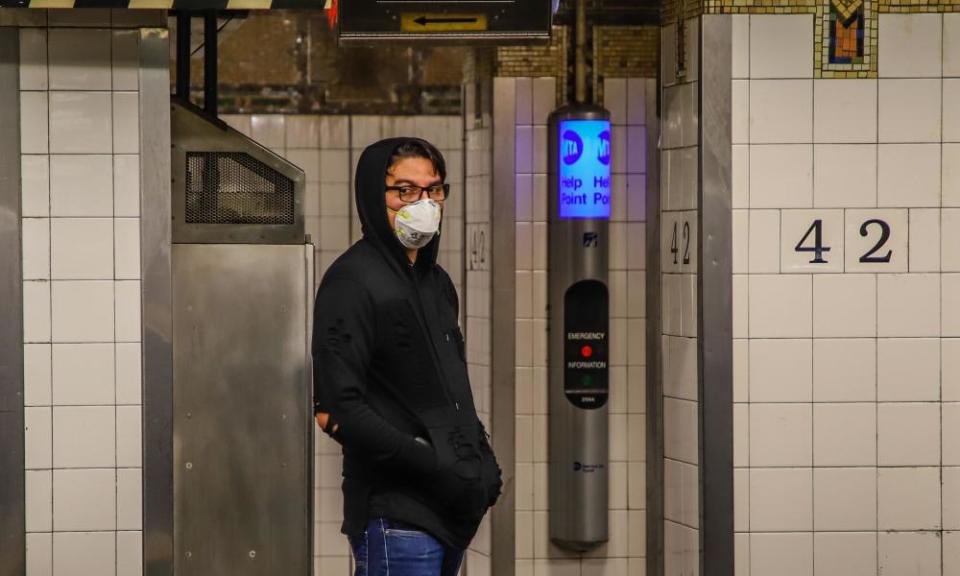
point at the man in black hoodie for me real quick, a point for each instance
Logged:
(390, 377)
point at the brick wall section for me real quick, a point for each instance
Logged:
(536, 60)
(624, 52)
(618, 52)
(670, 10)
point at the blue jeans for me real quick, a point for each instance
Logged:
(388, 548)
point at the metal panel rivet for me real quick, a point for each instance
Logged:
(189, 554)
(253, 553)
(189, 465)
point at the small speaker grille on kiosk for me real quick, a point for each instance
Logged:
(235, 188)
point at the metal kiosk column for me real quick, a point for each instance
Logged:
(579, 192)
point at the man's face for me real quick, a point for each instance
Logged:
(408, 172)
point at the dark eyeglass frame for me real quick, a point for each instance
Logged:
(442, 189)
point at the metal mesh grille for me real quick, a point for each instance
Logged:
(235, 188)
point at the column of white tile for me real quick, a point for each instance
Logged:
(328, 142)
(542, 102)
(740, 159)
(306, 138)
(634, 113)
(524, 373)
(621, 337)
(363, 131)
(950, 392)
(328, 495)
(448, 131)
(844, 328)
(678, 280)
(301, 144)
(912, 119)
(773, 122)
(80, 240)
(476, 170)
(35, 211)
(331, 237)
(335, 190)
(127, 274)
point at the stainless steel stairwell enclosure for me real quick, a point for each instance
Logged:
(241, 424)
(242, 411)
(227, 189)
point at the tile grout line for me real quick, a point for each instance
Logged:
(50, 248)
(940, 281)
(813, 479)
(116, 475)
(876, 340)
(747, 288)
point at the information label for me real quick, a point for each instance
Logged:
(586, 322)
(584, 174)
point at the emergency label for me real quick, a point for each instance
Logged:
(585, 344)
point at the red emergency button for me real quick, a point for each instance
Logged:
(586, 351)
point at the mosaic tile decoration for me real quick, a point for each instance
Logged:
(846, 31)
(813, 6)
(846, 39)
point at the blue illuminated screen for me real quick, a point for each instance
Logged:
(584, 173)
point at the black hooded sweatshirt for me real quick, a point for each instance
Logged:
(389, 368)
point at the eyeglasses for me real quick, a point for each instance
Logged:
(411, 193)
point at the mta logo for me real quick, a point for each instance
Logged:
(571, 147)
(603, 153)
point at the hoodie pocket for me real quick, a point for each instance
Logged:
(492, 475)
(459, 486)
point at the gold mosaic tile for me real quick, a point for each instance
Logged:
(670, 7)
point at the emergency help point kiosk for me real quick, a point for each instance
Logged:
(579, 193)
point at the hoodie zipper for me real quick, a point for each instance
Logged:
(433, 344)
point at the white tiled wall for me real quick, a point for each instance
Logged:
(327, 149)
(846, 404)
(624, 553)
(478, 172)
(81, 264)
(679, 144)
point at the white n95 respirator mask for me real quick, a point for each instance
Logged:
(417, 223)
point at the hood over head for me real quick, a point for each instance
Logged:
(372, 206)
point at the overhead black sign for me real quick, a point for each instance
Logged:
(478, 21)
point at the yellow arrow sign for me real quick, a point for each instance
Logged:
(427, 22)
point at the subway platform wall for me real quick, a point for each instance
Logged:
(80, 209)
(847, 413)
(846, 318)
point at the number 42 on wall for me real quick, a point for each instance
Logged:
(868, 243)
